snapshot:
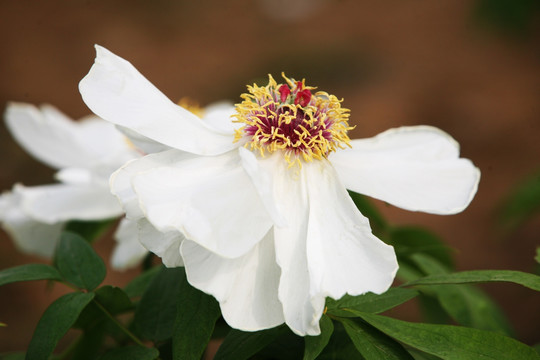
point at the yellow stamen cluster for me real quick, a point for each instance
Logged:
(288, 118)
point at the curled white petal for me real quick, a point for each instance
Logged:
(211, 200)
(117, 92)
(416, 168)
(166, 245)
(246, 287)
(343, 254)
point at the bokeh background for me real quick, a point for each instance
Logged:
(469, 67)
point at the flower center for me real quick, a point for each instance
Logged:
(289, 118)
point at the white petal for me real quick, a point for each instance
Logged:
(219, 116)
(116, 91)
(166, 245)
(128, 251)
(63, 202)
(302, 310)
(343, 255)
(142, 143)
(416, 168)
(120, 181)
(260, 172)
(29, 236)
(246, 287)
(211, 200)
(46, 134)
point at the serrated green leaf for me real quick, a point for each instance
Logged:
(55, 322)
(371, 303)
(316, 344)
(452, 342)
(530, 281)
(373, 344)
(239, 345)
(408, 240)
(137, 286)
(29, 272)
(131, 353)
(156, 313)
(78, 262)
(468, 305)
(90, 230)
(196, 316)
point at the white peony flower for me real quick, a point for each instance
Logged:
(262, 197)
(86, 153)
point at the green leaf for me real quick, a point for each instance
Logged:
(373, 344)
(90, 230)
(55, 322)
(239, 345)
(78, 262)
(316, 344)
(88, 346)
(537, 257)
(29, 272)
(131, 353)
(522, 203)
(377, 222)
(408, 240)
(137, 286)
(452, 342)
(196, 316)
(114, 299)
(530, 281)
(369, 302)
(13, 356)
(468, 305)
(156, 313)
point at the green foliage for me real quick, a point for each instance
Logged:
(29, 272)
(452, 342)
(370, 302)
(530, 281)
(78, 262)
(196, 316)
(468, 305)
(239, 345)
(155, 315)
(408, 240)
(314, 345)
(373, 344)
(131, 353)
(55, 322)
(522, 203)
(139, 285)
(89, 230)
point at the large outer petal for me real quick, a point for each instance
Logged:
(128, 251)
(416, 168)
(246, 287)
(211, 200)
(302, 311)
(116, 91)
(63, 202)
(29, 236)
(343, 255)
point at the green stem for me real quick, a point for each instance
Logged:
(120, 325)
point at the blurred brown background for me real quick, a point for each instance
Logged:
(467, 67)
